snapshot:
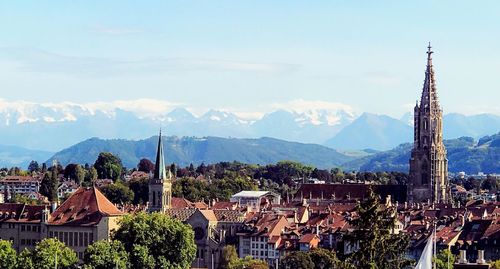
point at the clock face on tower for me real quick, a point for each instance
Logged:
(199, 233)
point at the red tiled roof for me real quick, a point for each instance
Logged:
(85, 207)
(19, 178)
(180, 203)
(20, 213)
(353, 191)
(307, 238)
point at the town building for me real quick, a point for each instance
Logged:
(428, 163)
(12, 185)
(254, 199)
(85, 217)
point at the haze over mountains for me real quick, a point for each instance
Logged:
(52, 127)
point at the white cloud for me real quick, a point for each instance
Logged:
(115, 30)
(34, 60)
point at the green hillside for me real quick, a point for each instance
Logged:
(186, 150)
(464, 154)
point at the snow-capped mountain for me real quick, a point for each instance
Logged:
(52, 126)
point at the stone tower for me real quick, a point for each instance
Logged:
(160, 184)
(428, 163)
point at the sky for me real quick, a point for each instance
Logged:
(253, 56)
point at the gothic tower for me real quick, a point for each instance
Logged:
(428, 163)
(160, 184)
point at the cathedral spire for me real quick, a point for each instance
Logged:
(429, 100)
(160, 171)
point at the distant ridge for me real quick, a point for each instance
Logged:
(464, 154)
(186, 150)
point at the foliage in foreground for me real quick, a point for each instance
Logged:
(230, 260)
(377, 245)
(156, 239)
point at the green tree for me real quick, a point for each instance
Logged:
(229, 257)
(495, 264)
(297, 260)
(33, 166)
(250, 263)
(141, 258)
(378, 247)
(50, 250)
(108, 166)
(118, 193)
(140, 187)
(90, 177)
(103, 255)
(444, 260)
(168, 240)
(75, 172)
(49, 185)
(24, 260)
(8, 256)
(323, 259)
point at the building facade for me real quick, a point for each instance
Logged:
(160, 184)
(85, 217)
(428, 163)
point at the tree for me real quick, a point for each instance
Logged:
(323, 259)
(377, 246)
(33, 167)
(168, 241)
(118, 193)
(229, 257)
(444, 259)
(250, 263)
(140, 187)
(49, 185)
(24, 260)
(108, 166)
(103, 254)
(495, 264)
(75, 172)
(48, 251)
(8, 256)
(297, 260)
(145, 165)
(141, 258)
(90, 177)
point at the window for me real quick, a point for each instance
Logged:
(23, 228)
(80, 239)
(28, 228)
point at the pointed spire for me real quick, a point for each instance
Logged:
(160, 171)
(429, 98)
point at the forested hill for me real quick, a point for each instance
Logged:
(464, 154)
(186, 150)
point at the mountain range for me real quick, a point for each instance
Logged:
(186, 150)
(52, 127)
(464, 154)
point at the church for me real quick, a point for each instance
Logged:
(428, 177)
(160, 184)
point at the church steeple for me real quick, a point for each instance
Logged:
(160, 184)
(160, 171)
(429, 100)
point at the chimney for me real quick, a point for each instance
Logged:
(480, 257)
(463, 257)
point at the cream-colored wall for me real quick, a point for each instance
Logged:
(15, 234)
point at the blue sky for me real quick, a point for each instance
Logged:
(251, 56)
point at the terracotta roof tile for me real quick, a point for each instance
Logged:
(85, 207)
